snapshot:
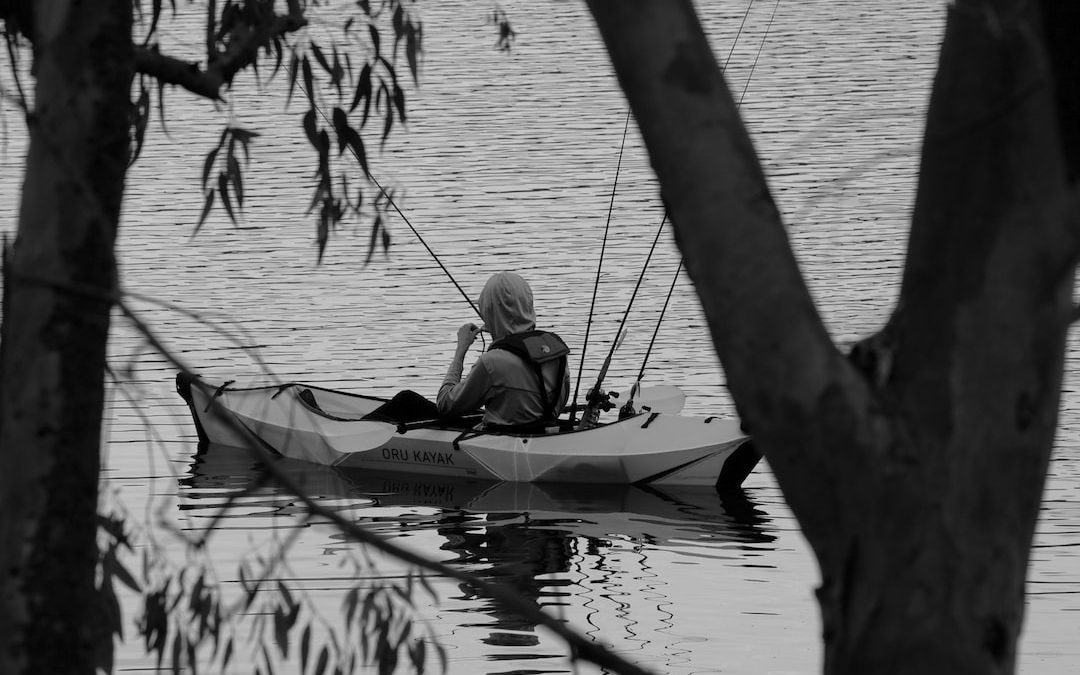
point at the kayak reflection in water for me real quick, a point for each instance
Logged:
(521, 382)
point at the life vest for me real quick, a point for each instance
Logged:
(537, 347)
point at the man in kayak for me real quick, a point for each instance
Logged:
(522, 381)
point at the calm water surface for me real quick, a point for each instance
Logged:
(508, 163)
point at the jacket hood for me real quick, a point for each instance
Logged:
(506, 305)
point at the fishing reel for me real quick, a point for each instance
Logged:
(596, 402)
(628, 409)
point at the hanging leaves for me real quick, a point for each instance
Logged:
(277, 47)
(408, 29)
(505, 40)
(239, 33)
(414, 37)
(330, 207)
(363, 89)
(208, 205)
(324, 658)
(157, 9)
(320, 69)
(305, 647)
(317, 51)
(337, 73)
(140, 118)
(349, 137)
(294, 69)
(373, 32)
(309, 80)
(229, 183)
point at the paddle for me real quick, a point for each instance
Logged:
(661, 398)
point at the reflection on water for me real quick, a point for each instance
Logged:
(578, 551)
(508, 163)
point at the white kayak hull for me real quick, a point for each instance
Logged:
(649, 448)
(641, 513)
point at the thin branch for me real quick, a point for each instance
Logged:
(244, 51)
(223, 66)
(168, 70)
(234, 333)
(211, 28)
(580, 646)
(14, 56)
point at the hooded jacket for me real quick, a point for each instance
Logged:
(500, 381)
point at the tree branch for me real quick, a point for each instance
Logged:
(168, 70)
(243, 47)
(18, 18)
(241, 52)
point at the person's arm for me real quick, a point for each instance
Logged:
(457, 397)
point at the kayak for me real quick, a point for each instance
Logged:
(658, 515)
(329, 427)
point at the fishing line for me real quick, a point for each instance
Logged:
(656, 331)
(735, 42)
(599, 267)
(390, 200)
(633, 296)
(641, 277)
(682, 260)
(761, 47)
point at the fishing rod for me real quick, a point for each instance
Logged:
(628, 408)
(596, 398)
(599, 267)
(393, 204)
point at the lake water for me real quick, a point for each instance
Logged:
(508, 162)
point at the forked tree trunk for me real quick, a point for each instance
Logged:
(56, 319)
(916, 465)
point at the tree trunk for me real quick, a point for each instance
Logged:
(60, 278)
(915, 465)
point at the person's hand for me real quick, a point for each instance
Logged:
(466, 335)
